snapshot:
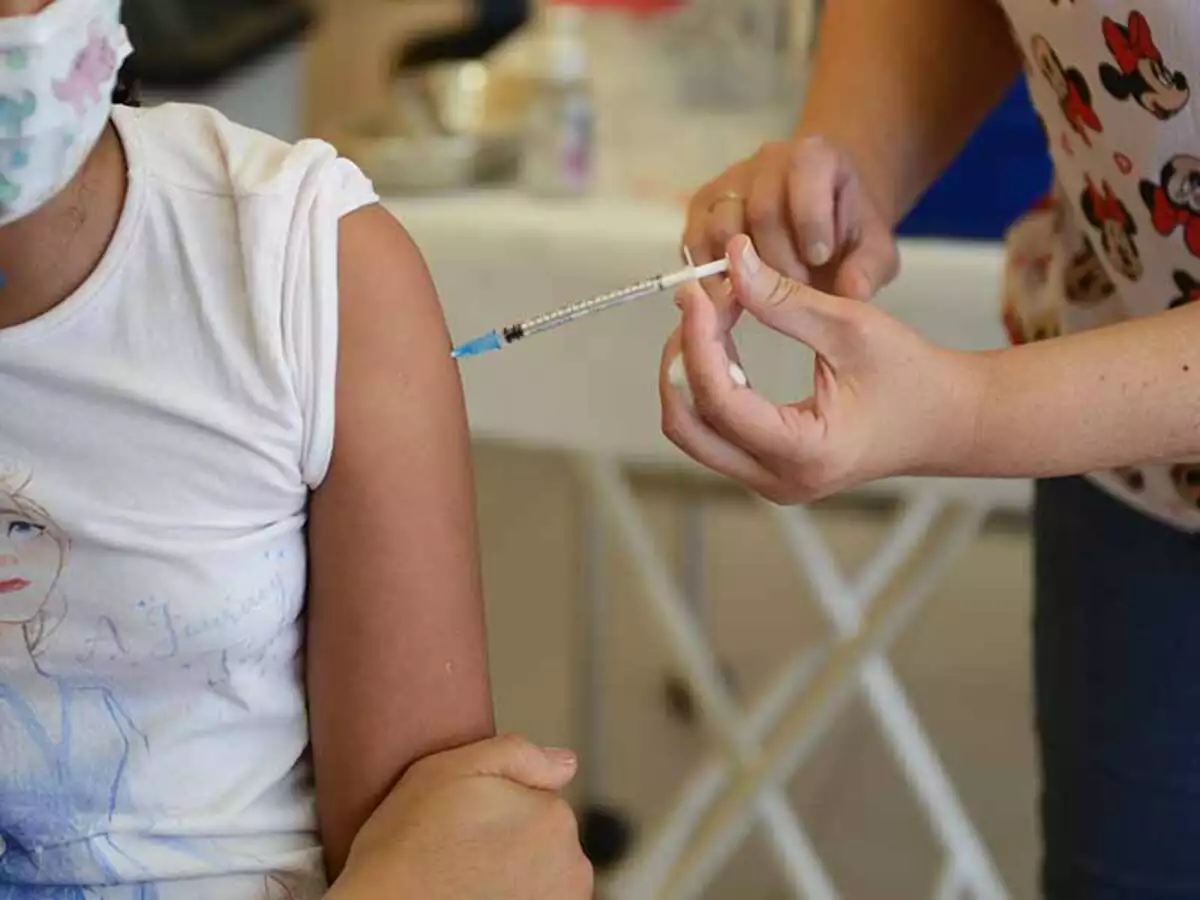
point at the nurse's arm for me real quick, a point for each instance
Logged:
(900, 86)
(1114, 396)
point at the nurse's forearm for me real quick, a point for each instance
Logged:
(1121, 395)
(901, 84)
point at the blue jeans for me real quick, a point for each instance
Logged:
(1117, 674)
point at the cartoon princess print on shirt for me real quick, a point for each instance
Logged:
(1140, 73)
(65, 743)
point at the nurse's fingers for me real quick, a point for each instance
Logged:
(814, 178)
(768, 223)
(723, 401)
(717, 212)
(870, 259)
(684, 428)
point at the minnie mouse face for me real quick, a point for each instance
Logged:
(1186, 478)
(1122, 252)
(1139, 71)
(1048, 64)
(1085, 282)
(1181, 182)
(1043, 328)
(1161, 92)
(1174, 203)
(1189, 289)
(1132, 478)
(1036, 326)
(1070, 88)
(1118, 231)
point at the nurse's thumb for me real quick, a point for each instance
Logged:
(787, 306)
(519, 760)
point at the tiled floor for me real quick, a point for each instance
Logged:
(964, 663)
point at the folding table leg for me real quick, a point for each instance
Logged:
(807, 722)
(950, 882)
(592, 639)
(718, 815)
(694, 558)
(605, 832)
(693, 574)
(693, 656)
(654, 857)
(699, 667)
(902, 730)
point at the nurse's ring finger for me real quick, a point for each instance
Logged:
(726, 197)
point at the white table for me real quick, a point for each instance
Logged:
(590, 390)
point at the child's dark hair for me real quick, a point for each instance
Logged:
(125, 92)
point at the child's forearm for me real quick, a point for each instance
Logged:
(1120, 395)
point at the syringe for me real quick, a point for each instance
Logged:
(499, 338)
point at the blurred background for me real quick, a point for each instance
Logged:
(539, 155)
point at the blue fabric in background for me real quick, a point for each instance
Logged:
(1003, 170)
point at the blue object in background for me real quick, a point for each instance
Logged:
(1003, 170)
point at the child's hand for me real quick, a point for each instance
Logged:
(885, 402)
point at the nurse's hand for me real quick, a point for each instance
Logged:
(885, 402)
(808, 213)
(481, 823)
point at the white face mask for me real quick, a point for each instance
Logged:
(57, 73)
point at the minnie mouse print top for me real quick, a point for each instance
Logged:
(1120, 235)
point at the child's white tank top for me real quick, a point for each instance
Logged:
(160, 432)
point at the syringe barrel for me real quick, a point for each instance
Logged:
(549, 320)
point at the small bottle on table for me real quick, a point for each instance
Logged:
(558, 159)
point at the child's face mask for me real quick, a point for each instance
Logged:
(57, 73)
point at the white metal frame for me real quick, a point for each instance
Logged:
(761, 748)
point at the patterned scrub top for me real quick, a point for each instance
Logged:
(1120, 234)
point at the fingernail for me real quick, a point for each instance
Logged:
(677, 378)
(818, 253)
(677, 374)
(750, 261)
(560, 756)
(738, 374)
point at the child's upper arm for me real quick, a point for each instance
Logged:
(396, 659)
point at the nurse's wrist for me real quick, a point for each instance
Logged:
(954, 443)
